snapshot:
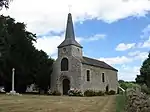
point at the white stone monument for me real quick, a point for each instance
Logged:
(13, 92)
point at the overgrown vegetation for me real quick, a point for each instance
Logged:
(144, 77)
(137, 101)
(111, 92)
(127, 84)
(145, 89)
(98, 93)
(75, 93)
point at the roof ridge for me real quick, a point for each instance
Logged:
(93, 59)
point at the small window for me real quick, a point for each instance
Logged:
(103, 77)
(88, 75)
(64, 49)
(64, 64)
(78, 49)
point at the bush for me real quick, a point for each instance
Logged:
(93, 93)
(137, 101)
(89, 93)
(75, 93)
(145, 89)
(111, 92)
(56, 93)
(100, 93)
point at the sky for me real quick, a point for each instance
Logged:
(114, 31)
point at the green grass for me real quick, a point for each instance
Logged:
(41, 103)
(120, 103)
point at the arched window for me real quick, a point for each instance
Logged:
(88, 75)
(103, 77)
(64, 64)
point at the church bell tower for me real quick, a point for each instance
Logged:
(69, 47)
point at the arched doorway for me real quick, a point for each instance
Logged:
(66, 86)
(107, 88)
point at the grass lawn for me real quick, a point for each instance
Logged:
(120, 103)
(36, 103)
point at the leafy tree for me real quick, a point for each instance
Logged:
(144, 77)
(44, 67)
(17, 51)
(4, 3)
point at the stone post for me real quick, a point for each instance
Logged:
(13, 73)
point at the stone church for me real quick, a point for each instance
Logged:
(73, 70)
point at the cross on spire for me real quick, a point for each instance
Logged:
(69, 6)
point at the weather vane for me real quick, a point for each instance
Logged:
(69, 6)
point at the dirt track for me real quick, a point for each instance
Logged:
(27, 103)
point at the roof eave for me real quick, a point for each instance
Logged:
(100, 66)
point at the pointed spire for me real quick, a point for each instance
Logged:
(69, 36)
(69, 28)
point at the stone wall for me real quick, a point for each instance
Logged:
(70, 51)
(73, 74)
(96, 82)
(137, 101)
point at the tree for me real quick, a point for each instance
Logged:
(17, 51)
(144, 77)
(4, 3)
(44, 67)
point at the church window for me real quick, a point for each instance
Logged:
(64, 49)
(88, 75)
(103, 77)
(64, 64)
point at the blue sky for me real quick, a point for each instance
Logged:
(127, 31)
(117, 32)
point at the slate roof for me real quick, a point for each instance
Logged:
(97, 63)
(69, 35)
(69, 41)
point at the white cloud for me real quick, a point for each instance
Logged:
(133, 56)
(134, 53)
(138, 55)
(117, 60)
(92, 38)
(128, 73)
(146, 44)
(146, 32)
(97, 37)
(50, 15)
(123, 46)
(141, 56)
(49, 43)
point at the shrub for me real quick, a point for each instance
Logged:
(56, 93)
(75, 93)
(93, 93)
(145, 89)
(137, 101)
(100, 93)
(111, 92)
(89, 93)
